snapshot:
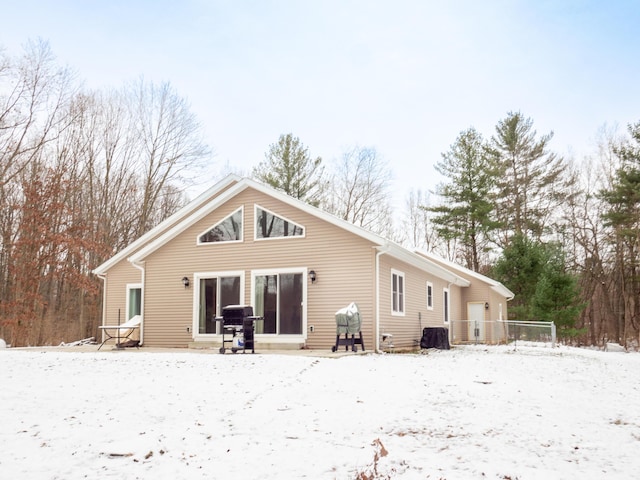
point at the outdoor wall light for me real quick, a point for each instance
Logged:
(486, 305)
(312, 276)
(185, 282)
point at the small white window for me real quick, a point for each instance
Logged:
(134, 300)
(429, 296)
(397, 292)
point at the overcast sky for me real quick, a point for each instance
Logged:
(403, 76)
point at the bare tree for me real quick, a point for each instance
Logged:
(34, 93)
(82, 174)
(359, 190)
(416, 230)
(168, 139)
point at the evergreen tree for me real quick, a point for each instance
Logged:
(466, 214)
(289, 167)
(519, 269)
(557, 295)
(530, 182)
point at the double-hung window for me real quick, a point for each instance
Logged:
(429, 296)
(397, 293)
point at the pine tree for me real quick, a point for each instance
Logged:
(466, 212)
(530, 182)
(557, 295)
(519, 269)
(289, 167)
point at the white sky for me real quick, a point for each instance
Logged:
(405, 77)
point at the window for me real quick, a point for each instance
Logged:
(228, 230)
(269, 225)
(134, 300)
(215, 291)
(445, 306)
(429, 296)
(397, 292)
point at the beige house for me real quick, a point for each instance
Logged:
(485, 301)
(241, 242)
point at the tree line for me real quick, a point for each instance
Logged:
(83, 173)
(563, 237)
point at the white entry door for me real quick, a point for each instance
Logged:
(475, 312)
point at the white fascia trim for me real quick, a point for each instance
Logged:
(503, 291)
(494, 284)
(187, 222)
(426, 265)
(183, 212)
(236, 189)
(316, 212)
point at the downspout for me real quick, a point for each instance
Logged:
(377, 329)
(450, 333)
(103, 277)
(140, 266)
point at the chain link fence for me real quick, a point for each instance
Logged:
(494, 332)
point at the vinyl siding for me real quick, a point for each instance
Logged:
(115, 293)
(407, 329)
(479, 292)
(343, 263)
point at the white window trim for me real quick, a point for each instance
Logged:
(255, 225)
(133, 286)
(241, 208)
(276, 337)
(399, 313)
(430, 297)
(197, 276)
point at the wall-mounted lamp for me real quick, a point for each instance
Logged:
(312, 276)
(486, 305)
(185, 282)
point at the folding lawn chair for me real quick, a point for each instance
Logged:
(122, 332)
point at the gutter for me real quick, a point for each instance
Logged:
(103, 277)
(381, 251)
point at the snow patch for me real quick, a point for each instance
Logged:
(465, 413)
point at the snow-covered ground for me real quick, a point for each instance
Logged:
(468, 413)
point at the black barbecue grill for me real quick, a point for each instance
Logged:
(238, 326)
(348, 323)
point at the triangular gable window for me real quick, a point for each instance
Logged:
(270, 225)
(228, 230)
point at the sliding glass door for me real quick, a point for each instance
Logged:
(278, 297)
(214, 293)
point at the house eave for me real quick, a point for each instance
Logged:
(423, 264)
(241, 185)
(183, 212)
(493, 284)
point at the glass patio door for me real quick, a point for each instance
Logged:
(278, 298)
(215, 294)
